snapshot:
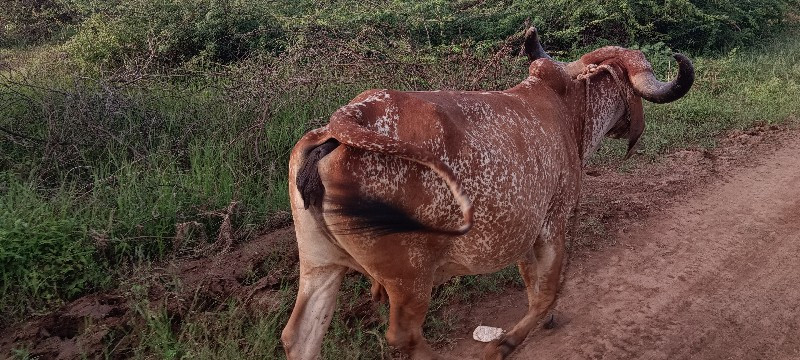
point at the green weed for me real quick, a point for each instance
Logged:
(230, 333)
(46, 254)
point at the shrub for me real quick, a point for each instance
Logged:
(566, 25)
(175, 31)
(25, 22)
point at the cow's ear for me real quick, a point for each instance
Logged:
(636, 123)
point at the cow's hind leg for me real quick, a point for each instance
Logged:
(377, 291)
(408, 306)
(541, 271)
(313, 310)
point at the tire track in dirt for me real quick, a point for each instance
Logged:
(715, 276)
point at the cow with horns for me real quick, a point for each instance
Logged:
(413, 188)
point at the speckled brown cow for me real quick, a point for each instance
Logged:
(385, 187)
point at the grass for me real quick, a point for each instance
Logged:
(107, 173)
(230, 333)
(97, 169)
(234, 331)
(45, 252)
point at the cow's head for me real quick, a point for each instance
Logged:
(615, 80)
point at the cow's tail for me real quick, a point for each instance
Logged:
(373, 215)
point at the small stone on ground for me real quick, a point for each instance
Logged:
(486, 333)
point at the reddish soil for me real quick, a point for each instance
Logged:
(692, 257)
(711, 272)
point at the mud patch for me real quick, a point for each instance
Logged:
(85, 327)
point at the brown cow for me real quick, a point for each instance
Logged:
(380, 187)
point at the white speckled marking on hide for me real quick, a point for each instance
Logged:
(606, 106)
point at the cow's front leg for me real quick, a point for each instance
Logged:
(313, 310)
(408, 304)
(541, 271)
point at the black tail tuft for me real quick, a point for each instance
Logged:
(362, 215)
(308, 181)
(371, 217)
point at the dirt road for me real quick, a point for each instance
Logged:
(714, 276)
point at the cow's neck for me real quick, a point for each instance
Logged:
(592, 113)
(603, 106)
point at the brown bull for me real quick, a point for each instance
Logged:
(380, 187)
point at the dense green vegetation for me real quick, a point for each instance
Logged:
(227, 30)
(121, 119)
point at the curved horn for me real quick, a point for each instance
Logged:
(648, 87)
(532, 47)
(640, 73)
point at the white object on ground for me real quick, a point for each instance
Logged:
(487, 333)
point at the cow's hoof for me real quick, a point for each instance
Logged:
(550, 323)
(499, 349)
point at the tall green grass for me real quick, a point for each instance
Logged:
(45, 251)
(96, 176)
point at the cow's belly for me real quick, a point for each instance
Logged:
(511, 190)
(510, 203)
(511, 197)
(493, 244)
